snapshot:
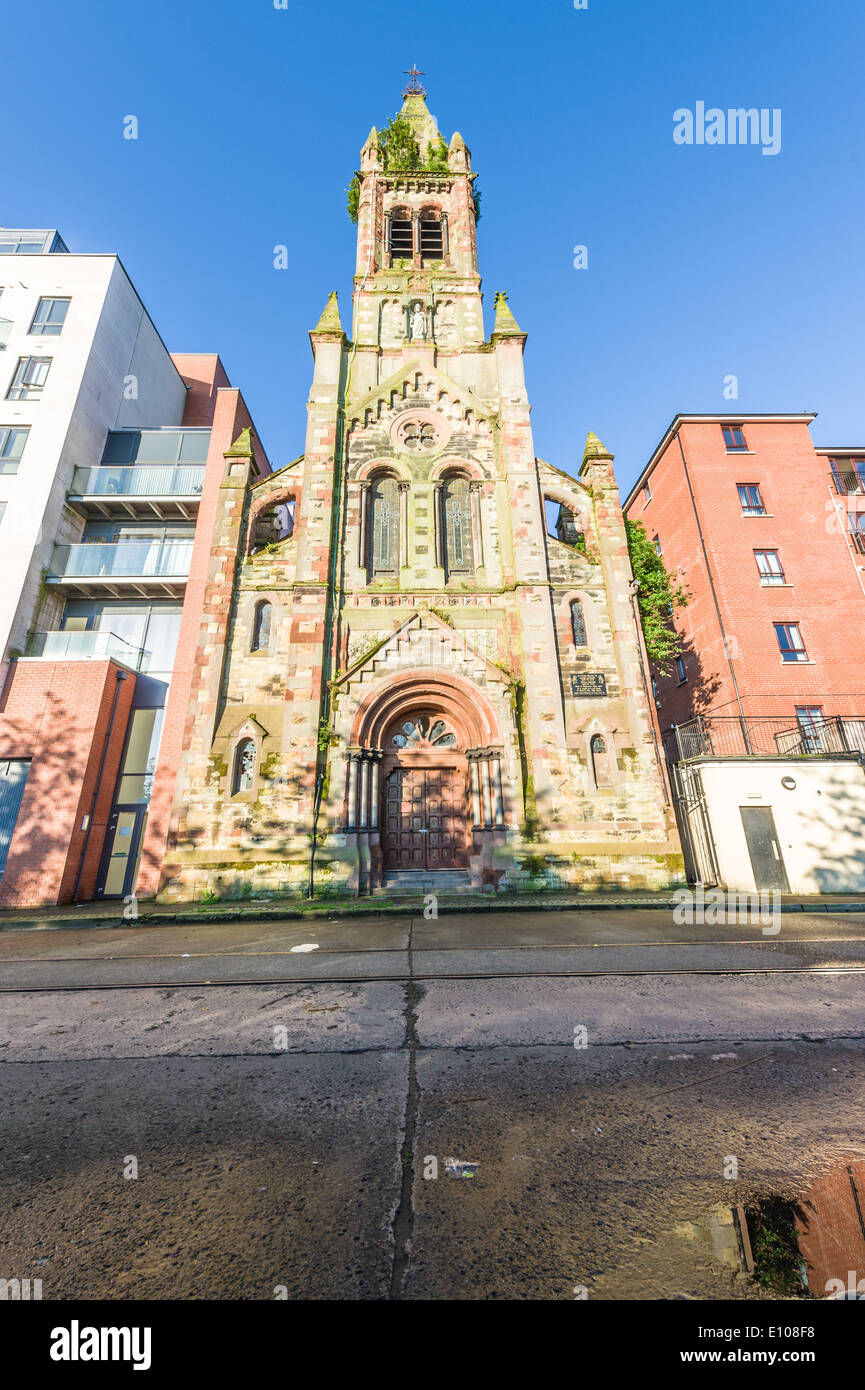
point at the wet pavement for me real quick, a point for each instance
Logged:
(298, 1136)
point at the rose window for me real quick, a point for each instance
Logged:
(419, 436)
(424, 733)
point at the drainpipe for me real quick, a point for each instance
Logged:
(748, 748)
(319, 788)
(119, 677)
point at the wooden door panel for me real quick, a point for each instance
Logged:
(424, 818)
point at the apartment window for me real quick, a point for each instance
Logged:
(856, 524)
(680, 670)
(752, 502)
(654, 687)
(657, 544)
(771, 571)
(2, 509)
(20, 246)
(30, 376)
(790, 642)
(734, 438)
(810, 718)
(647, 494)
(12, 441)
(49, 317)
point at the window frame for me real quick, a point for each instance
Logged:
(9, 462)
(23, 390)
(749, 507)
(797, 653)
(770, 578)
(48, 329)
(734, 430)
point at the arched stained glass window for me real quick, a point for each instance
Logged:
(459, 552)
(261, 627)
(384, 526)
(578, 624)
(244, 767)
(424, 732)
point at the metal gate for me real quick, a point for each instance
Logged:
(695, 829)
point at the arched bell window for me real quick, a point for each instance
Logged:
(578, 624)
(459, 550)
(601, 769)
(261, 627)
(243, 773)
(384, 526)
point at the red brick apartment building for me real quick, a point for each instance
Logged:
(93, 714)
(767, 534)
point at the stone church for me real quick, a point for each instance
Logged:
(405, 676)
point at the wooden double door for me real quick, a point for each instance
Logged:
(425, 818)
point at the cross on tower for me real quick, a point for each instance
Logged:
(414, 89)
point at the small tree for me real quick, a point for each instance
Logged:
(659, 595)
(353, 200)
(397, 147)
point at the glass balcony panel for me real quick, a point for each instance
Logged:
(107, 559)
(145, 480)
(71, 645)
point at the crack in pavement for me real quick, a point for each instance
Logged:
(403, 1220)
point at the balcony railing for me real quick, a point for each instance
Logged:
(769, 736)
(86, 646)
(122, 559)
(847, 481)
(142, 480)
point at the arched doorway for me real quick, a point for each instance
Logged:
(425, 822)
(424, 786)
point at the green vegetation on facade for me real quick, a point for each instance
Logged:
(659, 595)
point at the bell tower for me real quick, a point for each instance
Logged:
(417, 291)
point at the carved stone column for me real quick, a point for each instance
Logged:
(375, 756)
(362, 558)
(415, 239)
(363, 815)
(485, 790)
(497, 789)
(475, 491)
(446, 242)
(403, 522)
(476, 792)
(438, 523)
(352, 789)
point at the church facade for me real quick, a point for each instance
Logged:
(401, 677)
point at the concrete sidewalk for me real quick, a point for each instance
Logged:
(152, 914)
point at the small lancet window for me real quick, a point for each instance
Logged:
(601, 762)
(261, 627)
(244, 767)
(578, 624)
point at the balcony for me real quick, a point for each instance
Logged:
(848, 479)
(85, 646)
(770, 736)
(146, 568)
(159, 490)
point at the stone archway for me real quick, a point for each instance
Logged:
(424, 776)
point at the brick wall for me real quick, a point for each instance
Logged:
(58, 714)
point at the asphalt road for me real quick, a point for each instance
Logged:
(282, 1132)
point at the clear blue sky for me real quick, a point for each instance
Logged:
(703, 261)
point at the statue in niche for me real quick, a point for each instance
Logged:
(418, 323)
